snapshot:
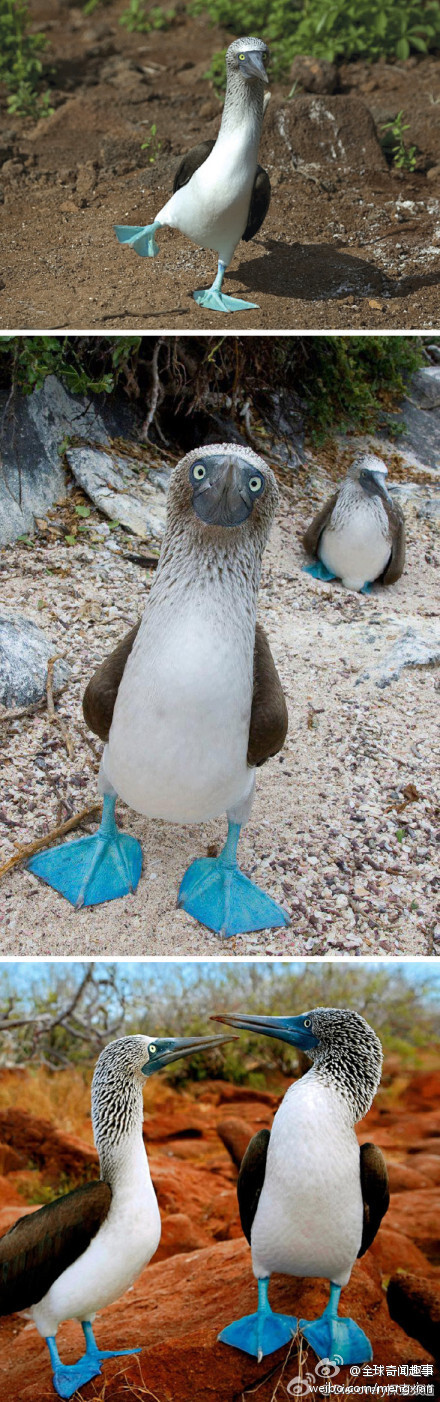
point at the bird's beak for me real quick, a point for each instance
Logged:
(253, 67)
(286, 1029)
(369, 480)
(168, 1049)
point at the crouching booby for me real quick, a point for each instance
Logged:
(220, 193)
(311, 1200)
(81, 1252)
(359, 534)
(190, 703)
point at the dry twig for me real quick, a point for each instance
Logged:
(41, 842)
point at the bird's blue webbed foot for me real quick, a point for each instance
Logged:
(339, 1340)
(366, 589)
(92, 869)
(217, 301)
(260, 1333)
(99, 1354)
(140, 237)
(67, 1378)
(217, 894)
(319, 571)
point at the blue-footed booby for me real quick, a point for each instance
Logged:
(190, 703)
(81, 1252)
(311, 1200)
(358, 536)
(220, 194)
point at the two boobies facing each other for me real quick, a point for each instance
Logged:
(358, 536)
(220, 193)
(311, 1199)
(81, 1252)
(190, 703)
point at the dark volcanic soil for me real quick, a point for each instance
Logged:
(347, 242)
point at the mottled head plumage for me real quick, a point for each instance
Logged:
(117, 1089)
(248, 56)
(348, 1055)
(367, 462)
(184, 490)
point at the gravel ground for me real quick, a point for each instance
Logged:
(336, 834)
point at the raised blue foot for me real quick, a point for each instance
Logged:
(219, 302)
(93, 869)
(260, 1333)
(339, 1340)
(319, 571)
(217, 894)
(68, 1378)
(140, 237)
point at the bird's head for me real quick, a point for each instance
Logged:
(248, 57)
(370, 472)
(345, 1050)
(224, 487)
(120, 1073)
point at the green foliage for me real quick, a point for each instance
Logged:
(402, 156)
(350, 381)
(152, 145)
(21, 62)
(35, 357)
(331, 29)
(138, 19)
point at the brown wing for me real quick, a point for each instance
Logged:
(313, 533)
(39, 1247)
(269, 718)
(396, 562)
(251, 1179)
(100, 694)
(260, 201)
(375, 1192)
(191, 162)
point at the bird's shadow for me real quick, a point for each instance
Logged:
(318, 272)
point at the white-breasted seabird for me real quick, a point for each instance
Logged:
(190, 703)
(358, 536)
(220, 193)
(311, 1199)
(81, 1252)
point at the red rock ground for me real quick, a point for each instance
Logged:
(201, 1277)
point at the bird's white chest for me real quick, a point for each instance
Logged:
(356, 544)
(309, 1217)
(212, 209)
(178, 742)
(124, 1244)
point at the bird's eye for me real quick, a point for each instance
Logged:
(242, 55)
(199, 472)
(255, 483)
(152, 1048)
(307, 1022)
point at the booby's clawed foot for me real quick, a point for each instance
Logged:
(339, 1340)
(217, 894)
(260, 1333)
(319, 571)
(93, 869)
(219, 302)
(140, 237)
(67, 1380)
(366, 589)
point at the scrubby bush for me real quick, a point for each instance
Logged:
(21, 66)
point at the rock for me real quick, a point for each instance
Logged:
(325, 135)
(38, 1141)
(315, 75)
(24, 654)
(429, 1166)
(425, 387)
(104, 478)
(416, 1215)
(414, 1303)
(402, 1179)
(412, 649)
(9, 1159)
(394, 1251)
(174, 1312)
(180, 1234)
(235, 1135)
(423, 1090)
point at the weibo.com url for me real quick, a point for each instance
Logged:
(332, 1389)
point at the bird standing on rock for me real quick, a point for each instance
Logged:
(81, 1252)
(221, 194)
(311, 1199)
(190, 702)
(358, 536)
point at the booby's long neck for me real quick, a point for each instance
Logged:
(353, 1071)
(117, 1128)
(226, 562)
(243, 109)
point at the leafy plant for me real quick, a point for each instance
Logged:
(152, 145)
(331, 29)
(21, 64)
(138, 19)
(402, 156)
